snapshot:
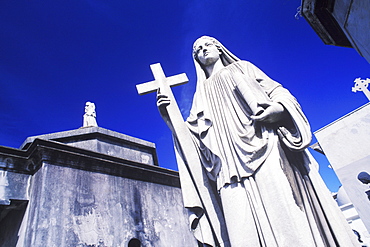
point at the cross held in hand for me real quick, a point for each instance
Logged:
(160, 81)
(162, 84)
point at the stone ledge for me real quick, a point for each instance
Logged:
(56, 153)
(103, 141)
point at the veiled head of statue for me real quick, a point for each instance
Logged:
(207, 52)
(200, 41)
(226, 56)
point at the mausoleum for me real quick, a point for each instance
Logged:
(89, 187)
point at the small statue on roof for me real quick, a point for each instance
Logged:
(90, 115)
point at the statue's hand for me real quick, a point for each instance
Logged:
(162, 102)
(273, 112)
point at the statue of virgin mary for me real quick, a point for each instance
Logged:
(251, 138)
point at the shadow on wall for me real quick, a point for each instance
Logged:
(11, 217)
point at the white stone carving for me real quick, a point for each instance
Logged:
(90, 115)
(362, 85)
(246, 176)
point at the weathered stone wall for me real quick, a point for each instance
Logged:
(353, 17)
(341, 22)
(72, 207)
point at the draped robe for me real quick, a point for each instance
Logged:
(291, 205)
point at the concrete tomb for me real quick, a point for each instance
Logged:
(89, 187)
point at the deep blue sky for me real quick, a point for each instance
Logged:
(56, 55)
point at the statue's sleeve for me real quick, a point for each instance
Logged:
(294, 130)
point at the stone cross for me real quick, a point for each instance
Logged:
(181, 132)
(163, 83)
(160, 82)
(361, 85)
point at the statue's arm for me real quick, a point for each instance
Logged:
(273, 111)
(293, 126)
(294, 130)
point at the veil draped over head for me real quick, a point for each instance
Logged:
(226, 57)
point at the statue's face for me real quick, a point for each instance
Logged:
(206, 52)
(89, 107)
